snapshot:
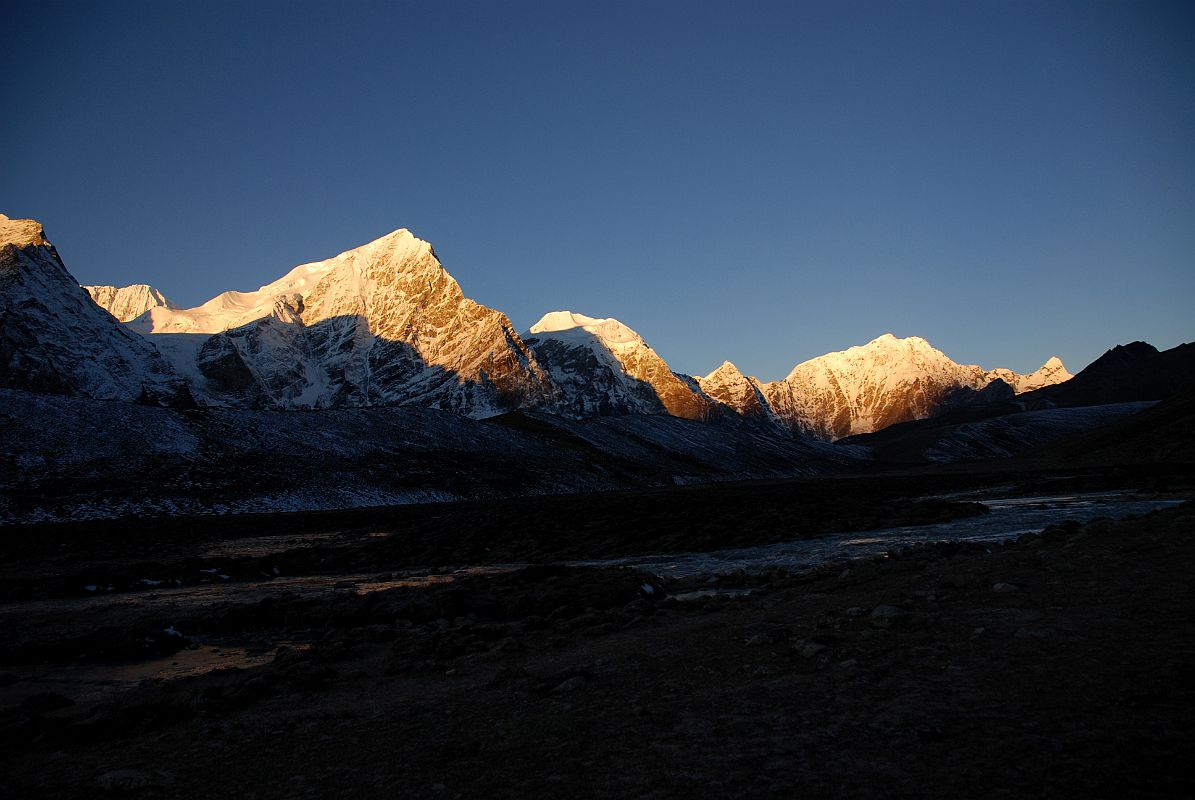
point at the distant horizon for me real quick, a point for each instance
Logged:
(761, 184)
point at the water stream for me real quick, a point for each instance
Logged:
(1008, 518)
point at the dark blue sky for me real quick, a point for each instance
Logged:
(761, 182)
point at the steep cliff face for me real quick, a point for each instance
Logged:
(54, 339)
(728, 386)
(128, 302)
(886, 381)
(602, 367)
(383, 323)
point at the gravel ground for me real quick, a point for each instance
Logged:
(1059, 665)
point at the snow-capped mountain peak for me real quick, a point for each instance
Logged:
(888, 380)
(1053, 371)
(604, 367)
(609, 330)
(126, 303)
(728, 386)
(383, 323)
(725, 372)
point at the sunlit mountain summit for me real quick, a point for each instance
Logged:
(385, 324)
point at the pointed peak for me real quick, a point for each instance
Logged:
(727, 370)
(21, 232)
(1053, 362)
(395, 243)
(402, 238)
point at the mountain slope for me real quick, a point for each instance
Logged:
(742, 394)
(886, 381)
(54, 339)
(66, 458)
(1126, 373)
(127, 302)
(1163, 433)
(1124, 381)
(385, 324)
(381, 324)
(602, 367)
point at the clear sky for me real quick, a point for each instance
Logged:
(763, 182)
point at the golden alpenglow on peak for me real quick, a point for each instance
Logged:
(21, 232)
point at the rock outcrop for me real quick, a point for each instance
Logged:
(55, 340)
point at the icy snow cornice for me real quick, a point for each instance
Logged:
(608, 329)
(128, 302)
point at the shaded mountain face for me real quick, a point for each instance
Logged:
(884, 382)
(1126, 373)
(1122, 383)
(55, 340)
(601, 367)
(728, 386)
(385, 324)
(381, 324)
(80, 459)
(128, 302)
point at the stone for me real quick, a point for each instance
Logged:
(125, 780)
(809, 649)
(44, 702)
(887, 616)
(571, 685)
(1032, 633)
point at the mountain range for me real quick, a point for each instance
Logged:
(116, 401)
(384, 324)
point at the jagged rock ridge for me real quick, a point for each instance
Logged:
(385, 324)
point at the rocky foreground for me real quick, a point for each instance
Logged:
(1059, 665)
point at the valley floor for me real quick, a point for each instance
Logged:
(1060, 665)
